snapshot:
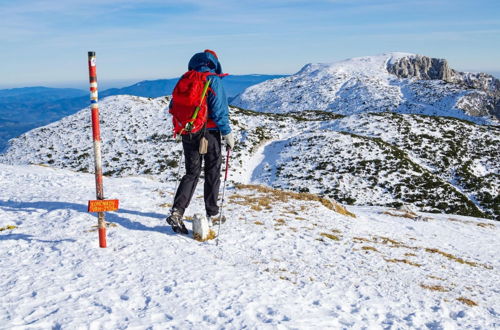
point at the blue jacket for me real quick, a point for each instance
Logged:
(218, 109)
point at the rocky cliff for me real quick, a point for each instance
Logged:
(484, 100)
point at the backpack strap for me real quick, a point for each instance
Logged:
(222, 75)
(189, 125)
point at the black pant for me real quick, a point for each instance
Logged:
(213, 161)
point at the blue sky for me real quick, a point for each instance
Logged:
(46, 42)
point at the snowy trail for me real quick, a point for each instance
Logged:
(264, 169)
(275, 266)
(260, 166)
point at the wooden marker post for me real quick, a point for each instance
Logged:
(100, 205)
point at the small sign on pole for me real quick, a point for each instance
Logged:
(104, 205)
(100, 205)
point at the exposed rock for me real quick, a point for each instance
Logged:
(421, 67)
(483, 100)
(479, 103)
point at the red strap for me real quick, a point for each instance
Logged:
(222, 75)
(211, 52)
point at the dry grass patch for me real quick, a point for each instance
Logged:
(401, 214)
(397, 244)
(300, 218)
(437, 288)
(485, 225)
(404, 261)
(390, 242)
(9, 227)
(362, 239)
(166, 205)
(255, 208)
(435, 277)
(330, 236)
(369, 248)
(285, 196)
(452, 257)
(255, 203)
(279, 222)
(467, 301)
(384, 241)
(475, 223)
(211, 235)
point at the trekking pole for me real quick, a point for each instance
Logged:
(223, 193)
(177, 178)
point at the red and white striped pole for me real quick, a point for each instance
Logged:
(96, 134)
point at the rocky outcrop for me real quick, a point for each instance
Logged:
(421, 67)
(480, 103)
(483, 98)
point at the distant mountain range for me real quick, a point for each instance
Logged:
(28, 95)
(22, 109)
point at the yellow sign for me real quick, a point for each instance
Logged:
(103, 205)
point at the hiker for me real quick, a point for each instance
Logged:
(214, 107)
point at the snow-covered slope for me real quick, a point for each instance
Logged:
(134, 130)
(436, 164)
(364, 84)
(284, 261)
(388, 159)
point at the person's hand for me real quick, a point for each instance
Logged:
(229, 140)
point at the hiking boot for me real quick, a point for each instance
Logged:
(214, 219)
(175, 220)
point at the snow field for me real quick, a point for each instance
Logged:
(281, 262)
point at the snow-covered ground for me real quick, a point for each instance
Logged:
(282, 262)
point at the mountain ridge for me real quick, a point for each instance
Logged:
(401, 82)
(30, 107)
(436, 164)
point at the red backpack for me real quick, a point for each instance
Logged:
(189, 106)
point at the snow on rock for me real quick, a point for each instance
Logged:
(400, 82)
(458, 152)
(282, 261)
